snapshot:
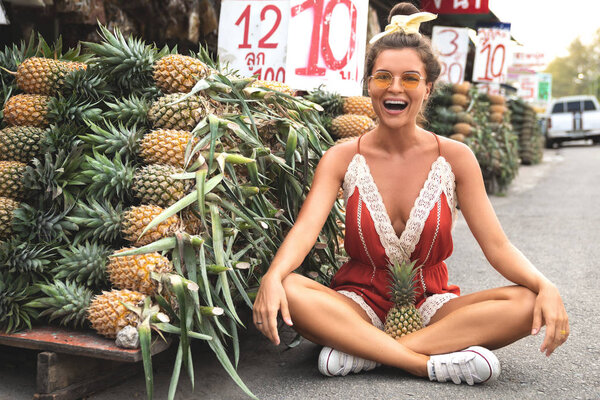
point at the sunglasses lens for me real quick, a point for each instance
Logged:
(410, 80)
(383, 79)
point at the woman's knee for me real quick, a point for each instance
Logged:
(524, 297)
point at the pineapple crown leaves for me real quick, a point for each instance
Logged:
(71, 109)
(65, 301)
(204, 55)
(333, 103)
(83, 264)
(132, 110)
(61, 136)
(97, 220)
(50, 225)
(111, 179)
(25, 257)
(15, 293)
(11, 57)
(86, 84)
(55, 51)
(401, 282)
(110, 139)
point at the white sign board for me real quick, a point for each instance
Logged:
(492, 54)
(528, 59)
(452, 46)
(3, 17)
(253, 37)
(326, 45)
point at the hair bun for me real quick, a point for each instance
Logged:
(404, 8)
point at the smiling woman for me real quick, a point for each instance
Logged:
(401, 186)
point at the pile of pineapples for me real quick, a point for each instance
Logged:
(346, 118)
(140, 187)
(447, 111)
(523, 118)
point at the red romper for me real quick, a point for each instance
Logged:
(371, 242)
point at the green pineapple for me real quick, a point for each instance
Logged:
(171, 112)
(20, 143)
(7, 211)
(403, 318)
(11, 179)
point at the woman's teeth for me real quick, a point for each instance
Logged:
(395, 105)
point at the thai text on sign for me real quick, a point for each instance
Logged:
(326, 45)
(456, 6)
(528, 59)
(253, 37)
(492, 54)
(452, 47)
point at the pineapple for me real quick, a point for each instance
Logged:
(27, 109)
(273, 85)
(134, 272)
(152, 184)
(176, 73)
(43, 75)
(11, 179)
(110, 140)
(20, 143)
(350, 125)
(108, 314)
(102, 221)
(166, 112)
(166, 146)
(15, 293)
(403, 318)
(334, 104)
(7, 209)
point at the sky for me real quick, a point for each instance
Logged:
(549, 25)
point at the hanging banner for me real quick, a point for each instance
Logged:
(456, 6)
(253, 37)
(326, 45)
(491, 53)
(452, 47)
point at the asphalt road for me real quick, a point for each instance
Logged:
(551, 213)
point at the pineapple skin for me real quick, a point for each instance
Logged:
(108, 316)
(27, 109)
(402, 320)
(166, 146)
(11, 179)
(136, 219)
(20, 143)
(133, 272)
(39, 75)
(360, 105)
(351, 125)
(274, 85)
(7, 209)
(153, 184)
(177, 73)
(184, 115)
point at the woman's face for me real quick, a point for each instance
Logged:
(397, 106)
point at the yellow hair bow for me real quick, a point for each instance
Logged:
(408, 24)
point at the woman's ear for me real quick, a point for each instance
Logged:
(428, 90)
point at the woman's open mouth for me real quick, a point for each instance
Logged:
(395, 105)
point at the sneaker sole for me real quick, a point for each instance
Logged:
(324, 362)
(491, 360)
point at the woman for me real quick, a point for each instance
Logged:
(382, 174)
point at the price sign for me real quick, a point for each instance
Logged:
(326, 45)
(452, 46)
(491, 54)
(253, 37)
(544, 86)
(528, 86)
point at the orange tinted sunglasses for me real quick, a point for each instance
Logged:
(384, 79)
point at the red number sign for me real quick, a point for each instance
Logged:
(456, 6)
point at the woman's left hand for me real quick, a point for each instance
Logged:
(549, 309)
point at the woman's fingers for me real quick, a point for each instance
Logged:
(285, 312)
(537, 319)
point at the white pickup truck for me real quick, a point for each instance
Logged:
(573, 118)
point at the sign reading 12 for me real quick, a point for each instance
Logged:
(320, 36)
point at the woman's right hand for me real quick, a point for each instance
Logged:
(270, 299)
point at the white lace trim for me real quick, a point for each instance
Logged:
(361, 302)
(432, 304)
(440, 179)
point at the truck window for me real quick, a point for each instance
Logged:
(589, 105)
(558, 108)
(573, 106)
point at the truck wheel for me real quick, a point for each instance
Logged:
(596, 140)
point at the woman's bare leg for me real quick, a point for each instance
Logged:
(331, 319)
(492, 318)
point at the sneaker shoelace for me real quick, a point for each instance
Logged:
(459, 369)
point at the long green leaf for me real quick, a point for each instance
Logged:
(145, 344)
(176, 372)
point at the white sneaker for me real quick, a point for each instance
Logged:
(335, 363)
(472, 365)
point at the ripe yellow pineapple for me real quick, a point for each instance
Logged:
(7, 209)
(20, 143)
(137, 218)
(43, 75)
(403, 318)
(273, 85)
(108, 315)
(133, 272)
(347, 125)
(167, 113)
(360, 105)
(166, 146)
(27, 109)
(177, 73)
(11, 179)
(334, 104)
